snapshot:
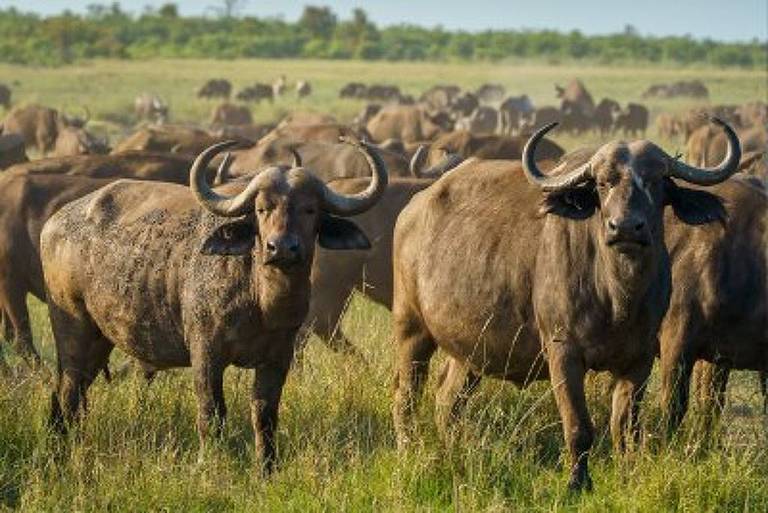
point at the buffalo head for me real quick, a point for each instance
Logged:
(283, 209)
(628, 184)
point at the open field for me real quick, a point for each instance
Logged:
(137, 449)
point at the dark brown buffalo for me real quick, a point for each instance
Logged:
(353, 90)
(606, 114)
(693, 88)
(29, 194)
(303, 88)
(229, 114)
(408, 123)
(633, 120)
(168, 138)
(39, 126)
(431, 163)
(220, 277)
(5, 96)
(522, 276)
(215, 88)
(256, 93)
(718, 311)
(541, 117)
(12, 150)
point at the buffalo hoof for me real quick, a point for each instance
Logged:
(580, 481)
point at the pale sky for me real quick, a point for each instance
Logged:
(725, 20)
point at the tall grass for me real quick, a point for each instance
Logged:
(137, 449)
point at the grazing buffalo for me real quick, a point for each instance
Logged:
(229, 114)
(256, 93)
(12, 150)
(303, 88)
(719, 310)
(5, 96)
(520, 275)
(462, 144)
(215, 88)
(40, 126)
(353, 90)
(408, 123)
(30, 193)
(219, 277)
(633, 120)
(151, 107)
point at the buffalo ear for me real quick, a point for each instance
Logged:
(694, 206)
(578, 202)
(338, 233)
(236, 238)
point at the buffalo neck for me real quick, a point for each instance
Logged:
(283, 295)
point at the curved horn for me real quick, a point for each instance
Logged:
(555, 182)
(213, 202)
(352, 204)
(450, 161)
(418, 160)
(296, 157)
(712, 175)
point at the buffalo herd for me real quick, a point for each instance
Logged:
(207, 248)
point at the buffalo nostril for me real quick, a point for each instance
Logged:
(611, 225)
(639, 226)
(271, 246)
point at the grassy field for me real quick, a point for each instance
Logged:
(137, 448)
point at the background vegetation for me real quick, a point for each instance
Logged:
(108, 31)
(137, 448)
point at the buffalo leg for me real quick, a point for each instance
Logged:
(209, 391)
(567, 371)
(268, 383)
(676, 368)
(16, 309)
(457, 386)
(82, 353)
(414, 348)
(625, 411)
(712, 392)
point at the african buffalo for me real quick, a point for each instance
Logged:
(490, 94)
(40, 126)
(706, 145)
(521, 276)
(576, 96)
(439, 97)
(215, 88)
(256, 93)
(230, 114)
(667, 125)
(632, 120)
(408, 123)
(30, 193)
(279, 86)
(78, 141)
(151, 263)
(606, 114)
(167, 138)
(484, 120)
(719, 311)
(353, 90)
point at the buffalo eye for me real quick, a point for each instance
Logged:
(310, 211)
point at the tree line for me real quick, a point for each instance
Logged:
(107, 31)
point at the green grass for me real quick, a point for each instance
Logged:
(137, 448)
